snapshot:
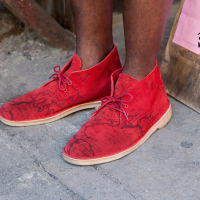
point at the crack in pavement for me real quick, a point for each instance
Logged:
(39, 164)
(69, 191)
(134, 195)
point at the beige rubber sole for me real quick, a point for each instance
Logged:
(160, 124)
(69, 111)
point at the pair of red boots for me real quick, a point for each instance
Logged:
(130, 110)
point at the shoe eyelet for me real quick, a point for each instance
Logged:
(126, 106)
(70, 83)
(65, 90)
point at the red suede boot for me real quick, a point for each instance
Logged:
(123, 122)
(71, 89)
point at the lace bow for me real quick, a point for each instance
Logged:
(60, 78)
(115, 103)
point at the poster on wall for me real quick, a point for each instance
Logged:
(187, 33)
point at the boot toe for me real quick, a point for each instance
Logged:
(79, 149)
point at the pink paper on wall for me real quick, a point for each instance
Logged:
(188, 30)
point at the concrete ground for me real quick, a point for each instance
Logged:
(166, 167)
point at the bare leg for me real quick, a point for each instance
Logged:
(93, 25)
(144, 25)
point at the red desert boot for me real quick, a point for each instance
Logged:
(71, 89)
(123, 122)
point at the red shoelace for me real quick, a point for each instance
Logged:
(60, 78)
(115, 103)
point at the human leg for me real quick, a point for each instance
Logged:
(93, 26)
(139, 104)
(144, 25)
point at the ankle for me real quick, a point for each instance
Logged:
(92, 55)
(138, 69)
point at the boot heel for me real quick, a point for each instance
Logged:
(164, 121)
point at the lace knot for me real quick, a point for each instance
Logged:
(60, 78)
(115, 103)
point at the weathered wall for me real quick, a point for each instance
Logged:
(60, 10)
(9, 24)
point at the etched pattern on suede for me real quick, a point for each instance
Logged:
(49, 100)
(108, 132)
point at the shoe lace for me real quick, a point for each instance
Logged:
(115, 103)
(60, 78)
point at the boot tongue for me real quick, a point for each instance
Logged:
(75, 65)
(123, 83)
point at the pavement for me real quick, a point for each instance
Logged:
(166, 167)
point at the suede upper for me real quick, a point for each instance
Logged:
(80, 86)
(114, 129)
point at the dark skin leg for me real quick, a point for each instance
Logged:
(93, 26)
(144, 25)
